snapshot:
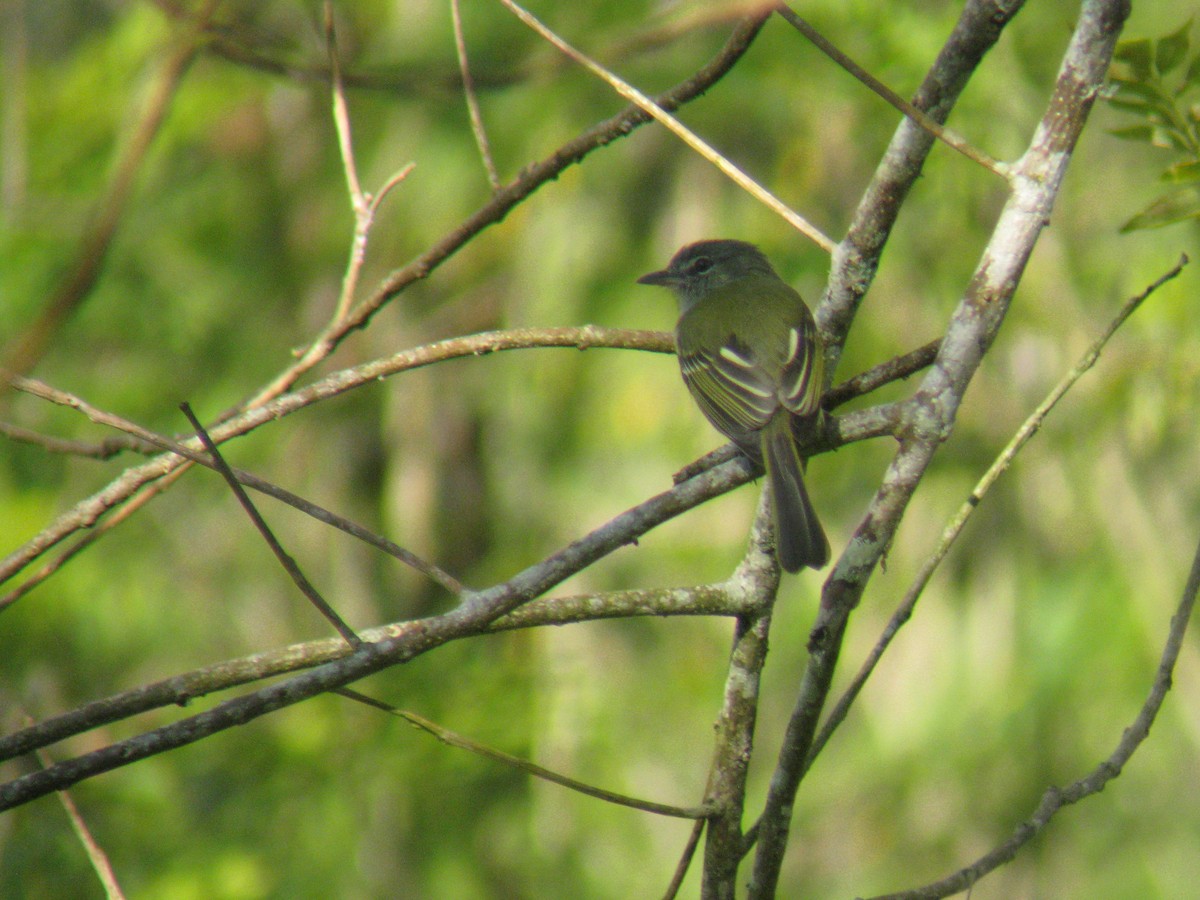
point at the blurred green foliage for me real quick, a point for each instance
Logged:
(1028, 655)
(1156, 81)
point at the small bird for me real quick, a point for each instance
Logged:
(751, 356)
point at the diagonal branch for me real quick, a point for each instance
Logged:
(503, 201)
(954, 528)
(945, 135)
(1056, 798)
(705, 150)
(930, 415)
(476, 612)
(857, 256)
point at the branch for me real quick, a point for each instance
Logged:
(1056, 798)
(453, 739)
(955, 526)
(382, 648)
(945, 135)
(856, 426)
(87, 512)
(857, 256)
(473, 111)
(286, 560)
(734, 745)
(723, 599)
(503, 201)
(930, 415)
(727, 168)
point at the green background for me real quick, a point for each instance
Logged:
(1030, 652)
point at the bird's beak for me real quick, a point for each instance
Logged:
(663, 277)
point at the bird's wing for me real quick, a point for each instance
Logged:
(733, 390)
(803, 368)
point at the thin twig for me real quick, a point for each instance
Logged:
(685, 860)
(285, 559)
(193, 455)
(1056, 798)
(945, 135)
(895, 369)
(105, 449)
(464, 67)
(95, 853)
(341, 115)
(364, 206)
(454, 739)
(632, 94)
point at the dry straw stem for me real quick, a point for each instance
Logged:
(95, 853)
(473, 111)
(632, 94)
(363, 205)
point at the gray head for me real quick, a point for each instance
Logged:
(704, 266)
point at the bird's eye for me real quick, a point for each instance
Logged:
(699, 265)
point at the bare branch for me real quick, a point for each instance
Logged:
(930, 416)
(955, 526)
(285, 559)
(632, 94)
(1056, 798)
(453, 739)
(468, 81)
(945, 135)
(95, 853)
(857, 256)
(477, 611)
(726, 791)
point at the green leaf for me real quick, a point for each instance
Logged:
(1138, 107)
(1173, 49)
(1183, 172)
(1138, 55)
(1132, 86)
(1167, 210)
(1192, 77)
(1141, 133)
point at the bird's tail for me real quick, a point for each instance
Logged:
(799, 539)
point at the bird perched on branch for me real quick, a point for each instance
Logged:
(751, 356)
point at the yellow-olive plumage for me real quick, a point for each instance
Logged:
(751, 356)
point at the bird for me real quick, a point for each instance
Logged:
(751, 357)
